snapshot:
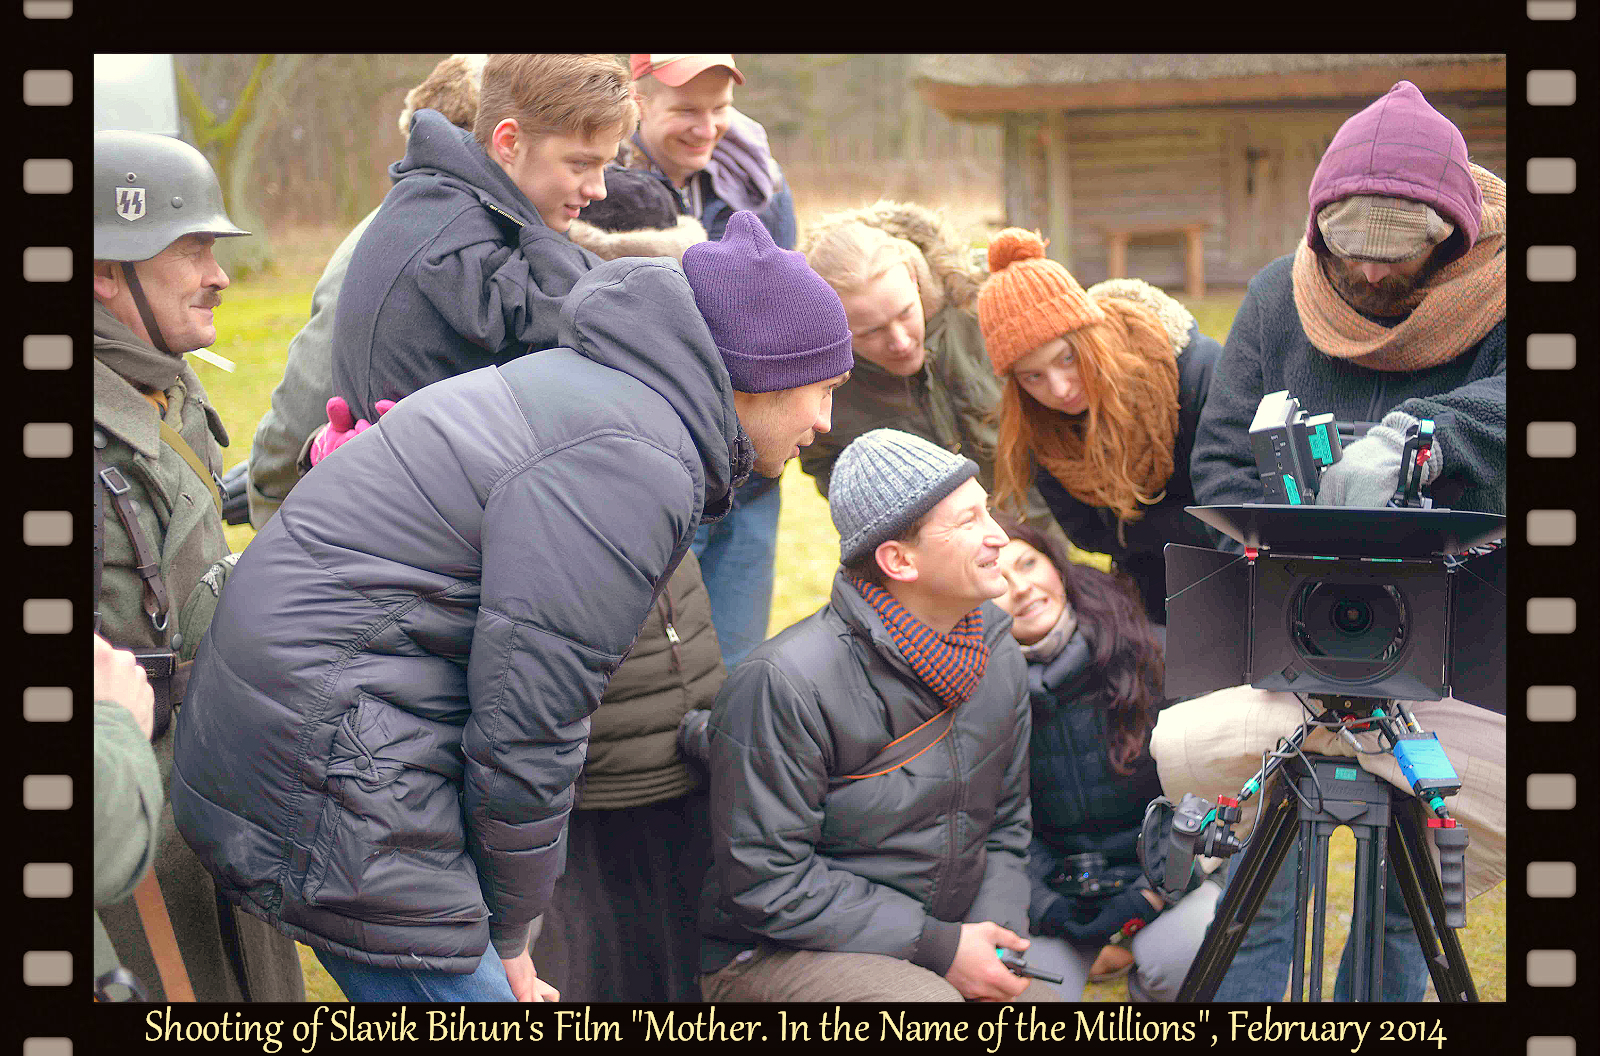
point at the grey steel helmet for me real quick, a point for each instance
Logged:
(150, 191)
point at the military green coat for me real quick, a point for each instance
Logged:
(127, 813)
(176, 512)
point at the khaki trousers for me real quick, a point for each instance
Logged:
(1212, 745)
(778, 973)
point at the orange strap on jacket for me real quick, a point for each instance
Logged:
(903, 749)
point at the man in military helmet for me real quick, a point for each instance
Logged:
(158, 211)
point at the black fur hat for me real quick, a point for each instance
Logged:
(634, 201)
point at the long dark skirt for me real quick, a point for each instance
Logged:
(622, 924)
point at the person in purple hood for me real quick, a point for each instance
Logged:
(1391, 310)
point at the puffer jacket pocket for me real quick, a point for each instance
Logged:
(392, 845)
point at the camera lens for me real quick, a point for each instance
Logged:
(1335, 623)
(1351, 615)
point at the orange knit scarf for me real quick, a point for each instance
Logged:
(1460, 304)
(1117, 455)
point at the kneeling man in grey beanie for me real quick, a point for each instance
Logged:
(869, 767)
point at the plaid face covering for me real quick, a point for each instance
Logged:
(950, 665)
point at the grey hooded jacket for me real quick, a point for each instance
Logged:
(891, 864)
(456, 271)
(390, 709)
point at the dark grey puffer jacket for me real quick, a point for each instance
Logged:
(390, 709)
(891, 864)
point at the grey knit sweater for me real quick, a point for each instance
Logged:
(1267, 350)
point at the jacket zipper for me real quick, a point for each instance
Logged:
(665, 607)
(957, 788)
(1375, 415)
(490, 205)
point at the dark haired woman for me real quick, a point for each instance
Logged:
(1094, 676)
(1103, 390)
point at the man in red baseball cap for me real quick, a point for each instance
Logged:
(677, 70)
(717, 162)
(714, 157)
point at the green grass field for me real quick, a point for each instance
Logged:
(261, 315)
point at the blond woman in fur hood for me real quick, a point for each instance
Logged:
(909, 287)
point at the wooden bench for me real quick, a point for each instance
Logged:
(1194, 259)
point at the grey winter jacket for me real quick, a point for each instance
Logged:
(455, 272)
(392, 704)
(300, 402)
(891, 864)
(1267, 350)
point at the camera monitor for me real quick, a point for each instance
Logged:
(1341, 601)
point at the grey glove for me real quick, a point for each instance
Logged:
(1368, 472)
(694, 736)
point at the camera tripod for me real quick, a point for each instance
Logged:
(1319, 794)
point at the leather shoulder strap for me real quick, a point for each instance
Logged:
(175, 440)
(163, 942)
(99, 539)
(148, 561)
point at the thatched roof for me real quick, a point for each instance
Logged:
(989, 83)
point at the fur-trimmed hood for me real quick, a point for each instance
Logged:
(1175, 319)
(658, 242)
(948, 259)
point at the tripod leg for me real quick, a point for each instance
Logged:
(1366, 942)
(1413, 867)
(1269, 844)
(1317, 873)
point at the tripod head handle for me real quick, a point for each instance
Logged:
(1188, 822)
(1450, 836)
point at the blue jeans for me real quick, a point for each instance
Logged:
(364, 982)
(736, 556)
(1260, 969)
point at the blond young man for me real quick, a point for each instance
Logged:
(909, 290)
(467, 261)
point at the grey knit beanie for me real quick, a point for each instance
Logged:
(883, 482)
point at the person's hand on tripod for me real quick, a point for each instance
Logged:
(1093, 922)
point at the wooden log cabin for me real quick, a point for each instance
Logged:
(1188, 170)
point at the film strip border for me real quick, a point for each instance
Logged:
(50, 533)
(1553, 112)
(1551, 947)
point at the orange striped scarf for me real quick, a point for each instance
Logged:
(950, 665)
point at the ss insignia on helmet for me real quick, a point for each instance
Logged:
(130, 203)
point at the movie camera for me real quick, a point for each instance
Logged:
(1359, 609)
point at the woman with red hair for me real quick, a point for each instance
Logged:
(1103, 390)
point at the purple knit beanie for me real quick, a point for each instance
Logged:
(776, 323)
(1401, 147)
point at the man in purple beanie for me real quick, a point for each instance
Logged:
(1392, 310)
(385, 720)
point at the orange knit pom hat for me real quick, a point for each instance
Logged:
(1028, 299)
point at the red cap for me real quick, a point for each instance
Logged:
(677, 70)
